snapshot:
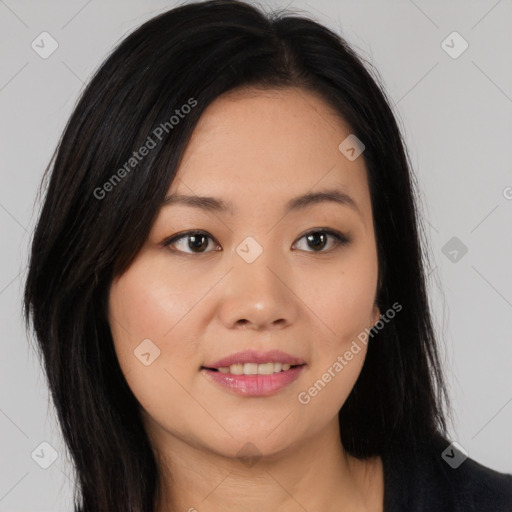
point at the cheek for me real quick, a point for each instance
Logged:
(148, 316)
(147, 302)
(343, 299)
(140, 302)
(145, 315)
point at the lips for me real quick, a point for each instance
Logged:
(252, 356)
(254, 385)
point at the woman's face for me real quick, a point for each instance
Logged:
(260, 276)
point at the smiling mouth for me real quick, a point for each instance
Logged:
(269, 368)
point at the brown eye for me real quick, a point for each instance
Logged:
(192, 242)
(318, 239)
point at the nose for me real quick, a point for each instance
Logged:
(259, 295)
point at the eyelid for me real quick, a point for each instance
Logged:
(174, 238)
(340, 239)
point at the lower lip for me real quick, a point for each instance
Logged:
(255, 385)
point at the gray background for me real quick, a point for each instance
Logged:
(457, 118)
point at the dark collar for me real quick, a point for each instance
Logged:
(427, 483)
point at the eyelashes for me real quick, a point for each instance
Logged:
(195, 234)
(201, 240)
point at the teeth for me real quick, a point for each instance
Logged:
(254, 368)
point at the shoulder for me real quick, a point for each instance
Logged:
(479, 488)
(442, 479)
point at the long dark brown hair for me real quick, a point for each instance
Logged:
(85, 236)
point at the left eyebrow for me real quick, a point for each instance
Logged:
(209, 203)
(326, 195)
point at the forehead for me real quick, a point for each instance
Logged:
(271, 144)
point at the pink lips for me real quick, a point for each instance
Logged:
(255, 385)
(251, 356)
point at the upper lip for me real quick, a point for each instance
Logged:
(253, 356)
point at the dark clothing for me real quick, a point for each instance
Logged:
(434, 486)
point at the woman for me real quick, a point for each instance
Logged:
(227, 285)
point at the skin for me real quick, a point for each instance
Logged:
(256, 149)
